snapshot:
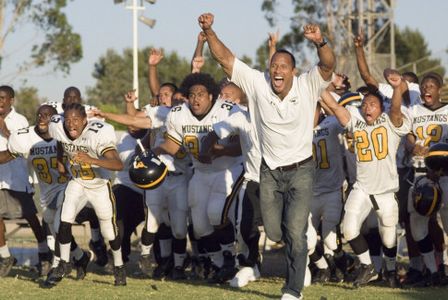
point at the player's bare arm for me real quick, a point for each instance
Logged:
(110, 160)
(341, 113)
(395, 80)
(155, 56)
(129, 98)
(198, 60)
(5, 156)
(219, 51)
(125, 119)
(327, 60)
(363, 68)
(167, 147)
(4, 129)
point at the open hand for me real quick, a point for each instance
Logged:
(312, 33)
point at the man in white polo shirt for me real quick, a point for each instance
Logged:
(284, 108)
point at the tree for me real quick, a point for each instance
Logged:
(60, 47)
(26, 101)
(113, 74)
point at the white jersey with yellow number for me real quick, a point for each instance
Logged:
(327, 151)
(41, 154)
(185, 129)
(96, 139)
(375, 149)
(429, 126)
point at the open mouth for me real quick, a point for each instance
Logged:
(277, 81)
(427, 97)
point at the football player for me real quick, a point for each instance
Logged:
(429, 126)
(377, 134)
(16, 192)
(211, 187)
(91, 151)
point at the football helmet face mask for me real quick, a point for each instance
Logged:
(437, 158)
(426, 196)
(147, 171)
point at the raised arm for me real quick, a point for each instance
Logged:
(155, 56)
(327, 60)
(341, 113)
(363, 68)
(395, 80)
(128, 120)
(272, 44)
(218, 50)
(198, 60)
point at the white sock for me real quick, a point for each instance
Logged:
(77, 253)
(166, 247)
(42, 247)
(56, 260)
(51, 242)
(416, 263)
(229, 247)
(4, 251)
(146, 249)
(390, 263)
(179, 259)
(364, 258)
(321, 263)
(95, 234)
(118, 259)
(377, 262)
(65, 251)
(430, 261)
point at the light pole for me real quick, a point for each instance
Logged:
(135, 8)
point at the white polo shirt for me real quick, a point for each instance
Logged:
(14, 175)
(285, 128)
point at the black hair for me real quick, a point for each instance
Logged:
(171, 85)
(53, 110)
(8, 90)
(293, 59)
(434, 76)
(412, 76)
(199, 79)
(76, 106)
(72, 89)
(377, 95)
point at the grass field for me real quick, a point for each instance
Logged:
(25, 284)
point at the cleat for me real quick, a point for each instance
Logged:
(322, 276)
(144, 263)
(413, 276)
(366, 274)
(81, 265)
(44, 264)
(56, 274)
(163, 268)
(244, 276)
(120, 276)
(178, 273)
(6, 264)
(392, 279)
(100, 250)
(227, 271)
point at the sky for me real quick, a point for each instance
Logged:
(239, 23)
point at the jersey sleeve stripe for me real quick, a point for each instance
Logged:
(108, 149)
(173, 139)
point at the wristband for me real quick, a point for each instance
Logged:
(321, 44)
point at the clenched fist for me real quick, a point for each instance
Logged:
(206, 21)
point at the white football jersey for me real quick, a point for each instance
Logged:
(126, 149)
(376, 149)
(181, 162)
(42, 155)
(429, 127)
(185, 129)
(240, 124)
(328, 154)
(96, 139)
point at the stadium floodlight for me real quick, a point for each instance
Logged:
(150, 22)
(151, 1)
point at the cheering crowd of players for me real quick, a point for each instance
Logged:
(369, 149)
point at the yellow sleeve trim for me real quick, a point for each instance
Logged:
(173, 139)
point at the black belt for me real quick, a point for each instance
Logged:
(174, 173)
(295, 165)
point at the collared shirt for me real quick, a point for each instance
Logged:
(285, 127)
(14, 175)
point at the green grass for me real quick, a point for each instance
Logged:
(23, 284)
